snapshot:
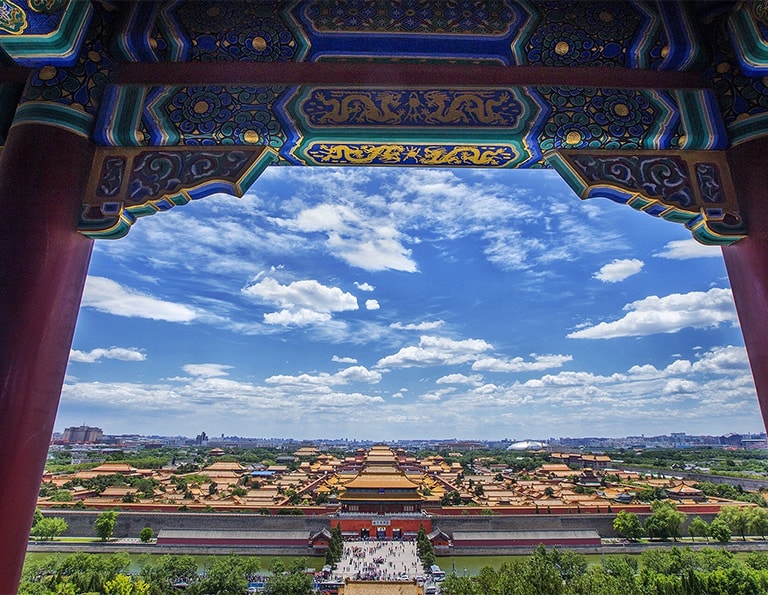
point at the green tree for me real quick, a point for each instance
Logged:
(628, 525)
(665, 521)
(719, 530)
(124, 585)
(105, 524)
(335, 546)
(164, 572)
(698, 527)
(291, 581)
(737, 518)
(568, 564)
(540, 575)
(62, 496)
(226, 575)
(146, 535)
(458, 585)
(424, 548)
(758, 521)
(49, 527)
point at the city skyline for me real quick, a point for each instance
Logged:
(378, 303)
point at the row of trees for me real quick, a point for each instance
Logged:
(666, 522)
(672, 571)
(47, 528)
(165, 575)
(335, 546)
(424, 548)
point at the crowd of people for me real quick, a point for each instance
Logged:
(380, 560)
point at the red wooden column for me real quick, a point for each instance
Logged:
(747, 259)
(43, 265)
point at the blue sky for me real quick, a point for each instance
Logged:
(389, 303)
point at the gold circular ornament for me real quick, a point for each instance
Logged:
(665, 51)
(621, 110)
(47, 73)
(94, 56)
(251, 136)
(573, 137)
(562, 48)
(259, 44)
(201, 107)
(723, 67)
(606, 16)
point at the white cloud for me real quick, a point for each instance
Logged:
(436, 351)
(343, 360)
(687, 249)
(118, 353)
(437, 395)
(666, 314)
(722, 360)
(364, 286)
(365, 240)
(303, 302)
(420, 326)
(618, 270)
(106, 295)
(207, 370)
(372, 305)
(346, 376)
(518, 364)
(680, 386)
(308, 293)
(377, 254)
(473, 380)
(300, 317)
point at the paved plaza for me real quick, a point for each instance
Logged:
(380, 560)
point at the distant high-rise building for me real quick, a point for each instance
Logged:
(82, 435)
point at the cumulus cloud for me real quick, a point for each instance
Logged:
(106, 295)
(667, 314)
(346, 376)
(473, 380)
(518, 364)
(687, 249)
(436, 351)
(618, 270)
(419, 326)
(364, 286)
(303, 302)
(677, 386)
(722, 360)
(207, 370)
(372, 305)
(300, 317)
(343, 360)
(94, 355)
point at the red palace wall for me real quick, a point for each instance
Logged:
(349, 526)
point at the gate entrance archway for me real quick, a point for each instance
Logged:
(113, 111)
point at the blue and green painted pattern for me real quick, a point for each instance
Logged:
(69, 96)
(491, 126)
(633, 34)
(691, 187)
(43, 32)
(749, 30)
(739, 69)
(132, 183)
(305, 123)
